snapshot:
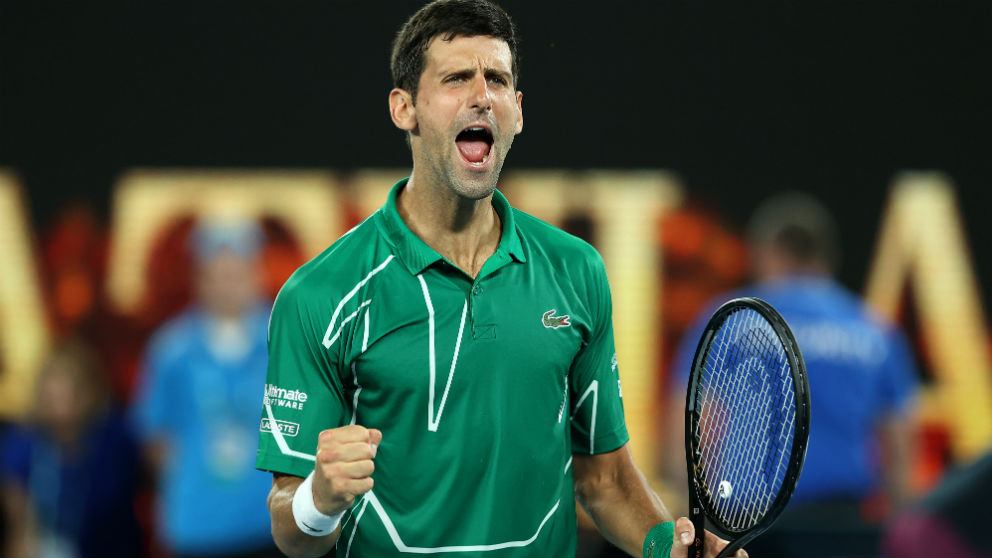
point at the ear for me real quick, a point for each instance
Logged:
(401, 109)
(520, 112)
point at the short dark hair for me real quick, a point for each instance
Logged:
(798, 226)
(802, 244)
(447, 19)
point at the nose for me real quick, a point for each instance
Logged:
(480, 98)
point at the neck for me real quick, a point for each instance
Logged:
(465, 231)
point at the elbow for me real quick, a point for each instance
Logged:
(590, 489)
(602, 478)
(584, 490)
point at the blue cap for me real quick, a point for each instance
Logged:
(242, 236)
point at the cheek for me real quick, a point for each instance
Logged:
(509, 125)
(509, 112)
(437, 111)
(433, 130)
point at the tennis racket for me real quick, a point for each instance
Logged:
(747, 417)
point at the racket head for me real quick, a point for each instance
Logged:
(746, 421)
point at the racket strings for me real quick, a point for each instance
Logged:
(746, 419)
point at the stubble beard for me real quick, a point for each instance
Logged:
(475, 186)
(450, 174)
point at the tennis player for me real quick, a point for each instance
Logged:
(443, 379)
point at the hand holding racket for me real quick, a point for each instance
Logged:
(746, 423)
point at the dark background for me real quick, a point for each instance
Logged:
(740, 99)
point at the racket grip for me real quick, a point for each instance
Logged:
(698, 519)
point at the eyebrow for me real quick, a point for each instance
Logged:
(488, 73)
(507, 77)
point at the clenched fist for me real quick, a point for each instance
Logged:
(344, 466)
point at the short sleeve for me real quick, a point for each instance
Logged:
(303, 390)
(594, 379)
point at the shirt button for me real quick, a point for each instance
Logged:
(477, 290)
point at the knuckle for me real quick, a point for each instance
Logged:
(326, 455)
(359, 432)
(325, 436)
(361, 486)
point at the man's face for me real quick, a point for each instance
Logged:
(228, 283)
(466, 114)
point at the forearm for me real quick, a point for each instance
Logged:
(287, 536)
(897, 437)
(343, 470)
(621, 502)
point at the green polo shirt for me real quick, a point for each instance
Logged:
(482, 388)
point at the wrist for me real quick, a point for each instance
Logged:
(658, 543)
(308, 518)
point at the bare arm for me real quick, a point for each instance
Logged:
(617, 497)
(896, 432)
(288, 537)
(342, 471)
(624, 507)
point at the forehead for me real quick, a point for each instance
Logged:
(490, 52)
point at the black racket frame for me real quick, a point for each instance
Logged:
(700, 509)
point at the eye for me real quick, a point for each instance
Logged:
(498, 80)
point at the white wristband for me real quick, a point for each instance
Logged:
(308, 517)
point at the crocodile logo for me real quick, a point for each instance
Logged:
(554, 322)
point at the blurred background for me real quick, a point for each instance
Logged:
(652, 130)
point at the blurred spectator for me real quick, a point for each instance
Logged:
(199, 400)
(70, 474)
(862, 384)
(950, 521)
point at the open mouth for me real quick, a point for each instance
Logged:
(475, 143)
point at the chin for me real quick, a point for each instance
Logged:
(476, 185)
(474, 188)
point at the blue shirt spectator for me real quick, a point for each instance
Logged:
(860, 374)
(861, 377)
(197, 410)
